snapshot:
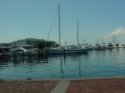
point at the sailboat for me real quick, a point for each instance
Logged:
(69, 49)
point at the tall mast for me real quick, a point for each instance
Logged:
(114, 40)
(77, 32)
(59, 24)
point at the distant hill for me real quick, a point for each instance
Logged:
(32, 41)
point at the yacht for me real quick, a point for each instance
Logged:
(103, 46)
(110, 46)
(69, 49)
(18, 50)
(97, 47)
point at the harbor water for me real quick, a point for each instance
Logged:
(95, 64)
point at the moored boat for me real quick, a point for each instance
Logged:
(69, 49)
(110, 46)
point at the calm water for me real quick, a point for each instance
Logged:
(96, 64)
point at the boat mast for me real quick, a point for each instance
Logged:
(59, 24)
(77, 32)
(114, 39)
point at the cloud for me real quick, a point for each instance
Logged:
(119, 32)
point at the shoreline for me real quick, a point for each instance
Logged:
(53, 79)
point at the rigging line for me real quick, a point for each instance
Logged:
(52, 25)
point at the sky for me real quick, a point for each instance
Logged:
(98, 20)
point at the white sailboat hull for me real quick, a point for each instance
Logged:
(67, 51)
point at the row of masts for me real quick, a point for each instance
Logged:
(77, 23)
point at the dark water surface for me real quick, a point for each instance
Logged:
(97, 64)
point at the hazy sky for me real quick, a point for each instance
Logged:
(21, 19)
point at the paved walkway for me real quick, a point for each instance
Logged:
(116, 85)
(111, 85)
(61, 87)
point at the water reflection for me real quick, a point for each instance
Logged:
(23, 60)
(29, 62)
(61, 66)
(93, 64)
(79, 67)
(71, 64)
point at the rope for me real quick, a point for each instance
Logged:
(52, 25)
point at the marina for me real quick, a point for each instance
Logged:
(62, 46)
